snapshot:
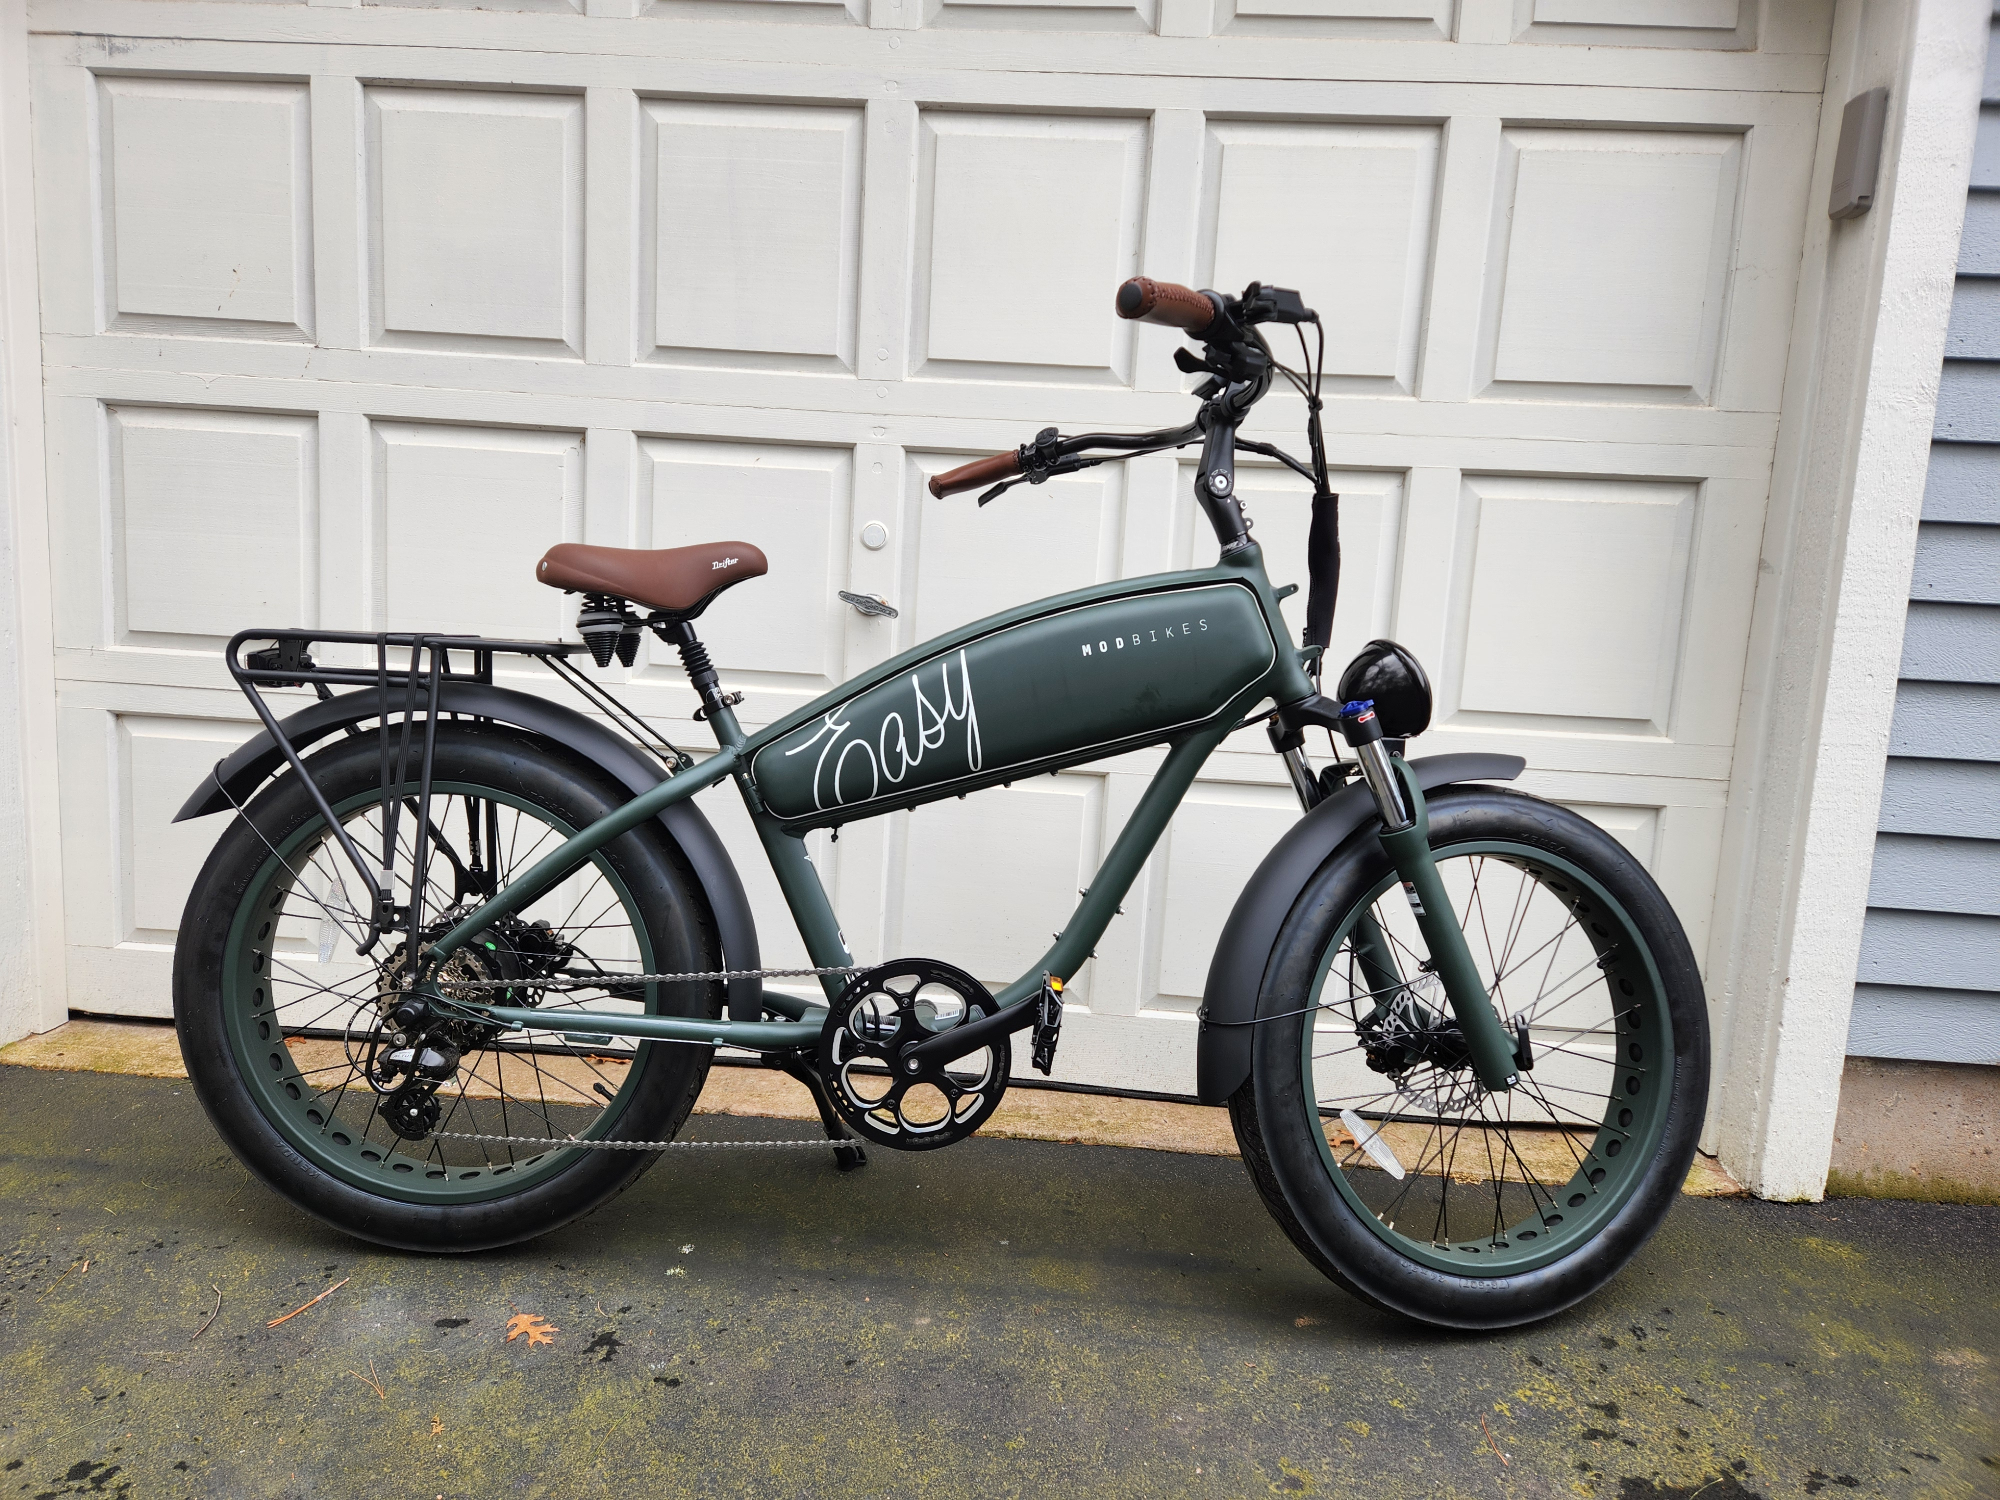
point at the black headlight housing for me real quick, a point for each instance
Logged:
(1394, 679)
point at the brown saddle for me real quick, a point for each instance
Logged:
(678, 581)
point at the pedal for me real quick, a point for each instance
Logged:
(849, 1156)
(1048, 1023)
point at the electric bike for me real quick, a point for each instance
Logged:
(455, 972)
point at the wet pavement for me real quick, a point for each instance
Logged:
(1007, 1318)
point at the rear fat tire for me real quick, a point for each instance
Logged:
(1276, 1117)
(668, 1078)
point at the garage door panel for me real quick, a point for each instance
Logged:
(972, 561)
(458, 515)
(751, 215)
(214, 523)
(1343, 213)
(796, 504)
(127, 868)
(1372, 515)
(987, 882)
(1723, 25)
(1006, 294)
(1608, 272)
(1572, 604)
(553, 7)
(725, 282)
(1038, 15)
(1414, 20)
(160, 760)
(475, 223)
(1219, 837)
(242, 267)
(759, 12)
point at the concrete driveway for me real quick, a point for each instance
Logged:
(1008, 1318)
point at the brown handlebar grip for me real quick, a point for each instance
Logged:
(1165, 302)
(982, 471)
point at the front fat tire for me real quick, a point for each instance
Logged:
(508, 762)
(1276, 1118)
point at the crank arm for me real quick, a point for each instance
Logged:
(960, 1040)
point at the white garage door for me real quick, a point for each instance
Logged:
(352, 311)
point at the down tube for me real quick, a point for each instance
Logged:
(1075, 943)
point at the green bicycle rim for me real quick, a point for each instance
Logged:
(290, 1103)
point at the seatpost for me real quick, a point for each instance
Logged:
(715, 703)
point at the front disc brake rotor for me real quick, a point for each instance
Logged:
(883, 1012)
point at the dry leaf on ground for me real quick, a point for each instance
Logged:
(534, 1325)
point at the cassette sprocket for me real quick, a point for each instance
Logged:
(883, 1012)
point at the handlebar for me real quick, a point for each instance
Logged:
(981, 471)
(1168, 303)
(1236, 358)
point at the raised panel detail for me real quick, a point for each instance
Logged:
(766, 12)
(1006, 293)
(1371, 547)
(751, 218)
(1415, 19)
(160, 760)
(1045, 539)
(1574, 603)
(560, 7)
(460, 517)
(206, 204)
(1219, 836)
(1341, 212)
(989, 881)
(793, 503)
(1712, 24)
(1637, 828)
(475, 220)
(1609, 264)
(1043, 15)
(214, 522)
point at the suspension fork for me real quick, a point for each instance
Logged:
(1371, 945)
(1406, 838)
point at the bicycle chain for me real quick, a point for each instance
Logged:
(598, 981)
(571, 1142)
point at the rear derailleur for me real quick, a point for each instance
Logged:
(408, 1065)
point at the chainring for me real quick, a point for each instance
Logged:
(892, 1007)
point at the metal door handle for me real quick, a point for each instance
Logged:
(870, 604)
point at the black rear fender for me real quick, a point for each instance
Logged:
(236, 779)
(1236, 973)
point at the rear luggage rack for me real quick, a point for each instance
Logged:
(284, 660)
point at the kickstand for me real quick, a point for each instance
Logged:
(848, 1153)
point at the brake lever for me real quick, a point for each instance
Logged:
(1069, 463)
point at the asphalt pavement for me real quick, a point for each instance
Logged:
(1006, 1318)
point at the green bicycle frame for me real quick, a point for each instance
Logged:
(1176, 659)
(1148, 692)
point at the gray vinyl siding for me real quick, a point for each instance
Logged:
(1929, 981)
